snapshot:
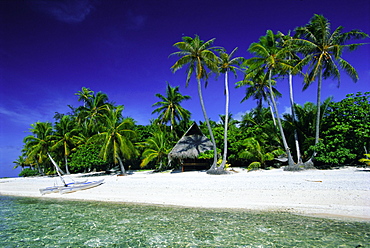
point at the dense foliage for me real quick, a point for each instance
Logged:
(28, 172)
(346, 130)
(86, 158)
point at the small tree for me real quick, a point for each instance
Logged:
(156, 149)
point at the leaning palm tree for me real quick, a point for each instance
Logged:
(271, 57)
(116, 137)
(324, 50)
(198, 56)
(169, 107)
(227, 63)
(298, 63)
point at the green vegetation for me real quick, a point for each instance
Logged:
(346, 130)
(97, 137)
(28, 173)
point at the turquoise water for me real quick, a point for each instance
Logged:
(30, 222)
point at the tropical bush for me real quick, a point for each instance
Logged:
(86, 159)
(28, 172)
(345, 131)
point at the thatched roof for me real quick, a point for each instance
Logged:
(192, 143)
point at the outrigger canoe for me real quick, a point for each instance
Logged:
(55, 189)
(80, 186)
(68, 187)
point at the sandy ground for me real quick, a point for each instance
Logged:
(340, 193)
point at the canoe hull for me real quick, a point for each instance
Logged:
(71, 187)
(82, 186)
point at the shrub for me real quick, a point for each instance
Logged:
(28, 173)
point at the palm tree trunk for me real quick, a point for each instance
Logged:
(272, 113)
(66, 163)
(214, 165)
(39, 168)
(287, 150)
(123, 171)
(318, 104)
(299, 158)
(317, 134)
(222, 166)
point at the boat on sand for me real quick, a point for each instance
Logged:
(69, 187)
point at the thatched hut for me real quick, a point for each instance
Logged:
(188, 148)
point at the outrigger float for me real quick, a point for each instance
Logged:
(69, 187)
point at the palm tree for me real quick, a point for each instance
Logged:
(38, 144)
(156, 149)
(198, 55)
(298, 64)
(116, 137)
(20, 162)
(65, 138)
(258, 87)
(257, 152)
(85, 95)
(324, 49)
(95, 108)
(305, 122)
(169, 107)
(272, 58)
(227, 63)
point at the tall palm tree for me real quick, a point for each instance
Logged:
(298, 63)
(65, 137)
(227, 63)
(116, 137)
(169, 108)
(324, 47)
(39, 143)
(198, 56)
(271, 57)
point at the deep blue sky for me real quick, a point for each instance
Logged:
(50, 49)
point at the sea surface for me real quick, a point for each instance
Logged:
(36, 222)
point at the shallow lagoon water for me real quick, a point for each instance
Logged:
(36, 222)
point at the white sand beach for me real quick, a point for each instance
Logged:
(338, 193)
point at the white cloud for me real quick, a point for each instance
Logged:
(287, 110)
(18, 116)
(21, 114)
(239, 115)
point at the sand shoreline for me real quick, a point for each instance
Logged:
(341, 193)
